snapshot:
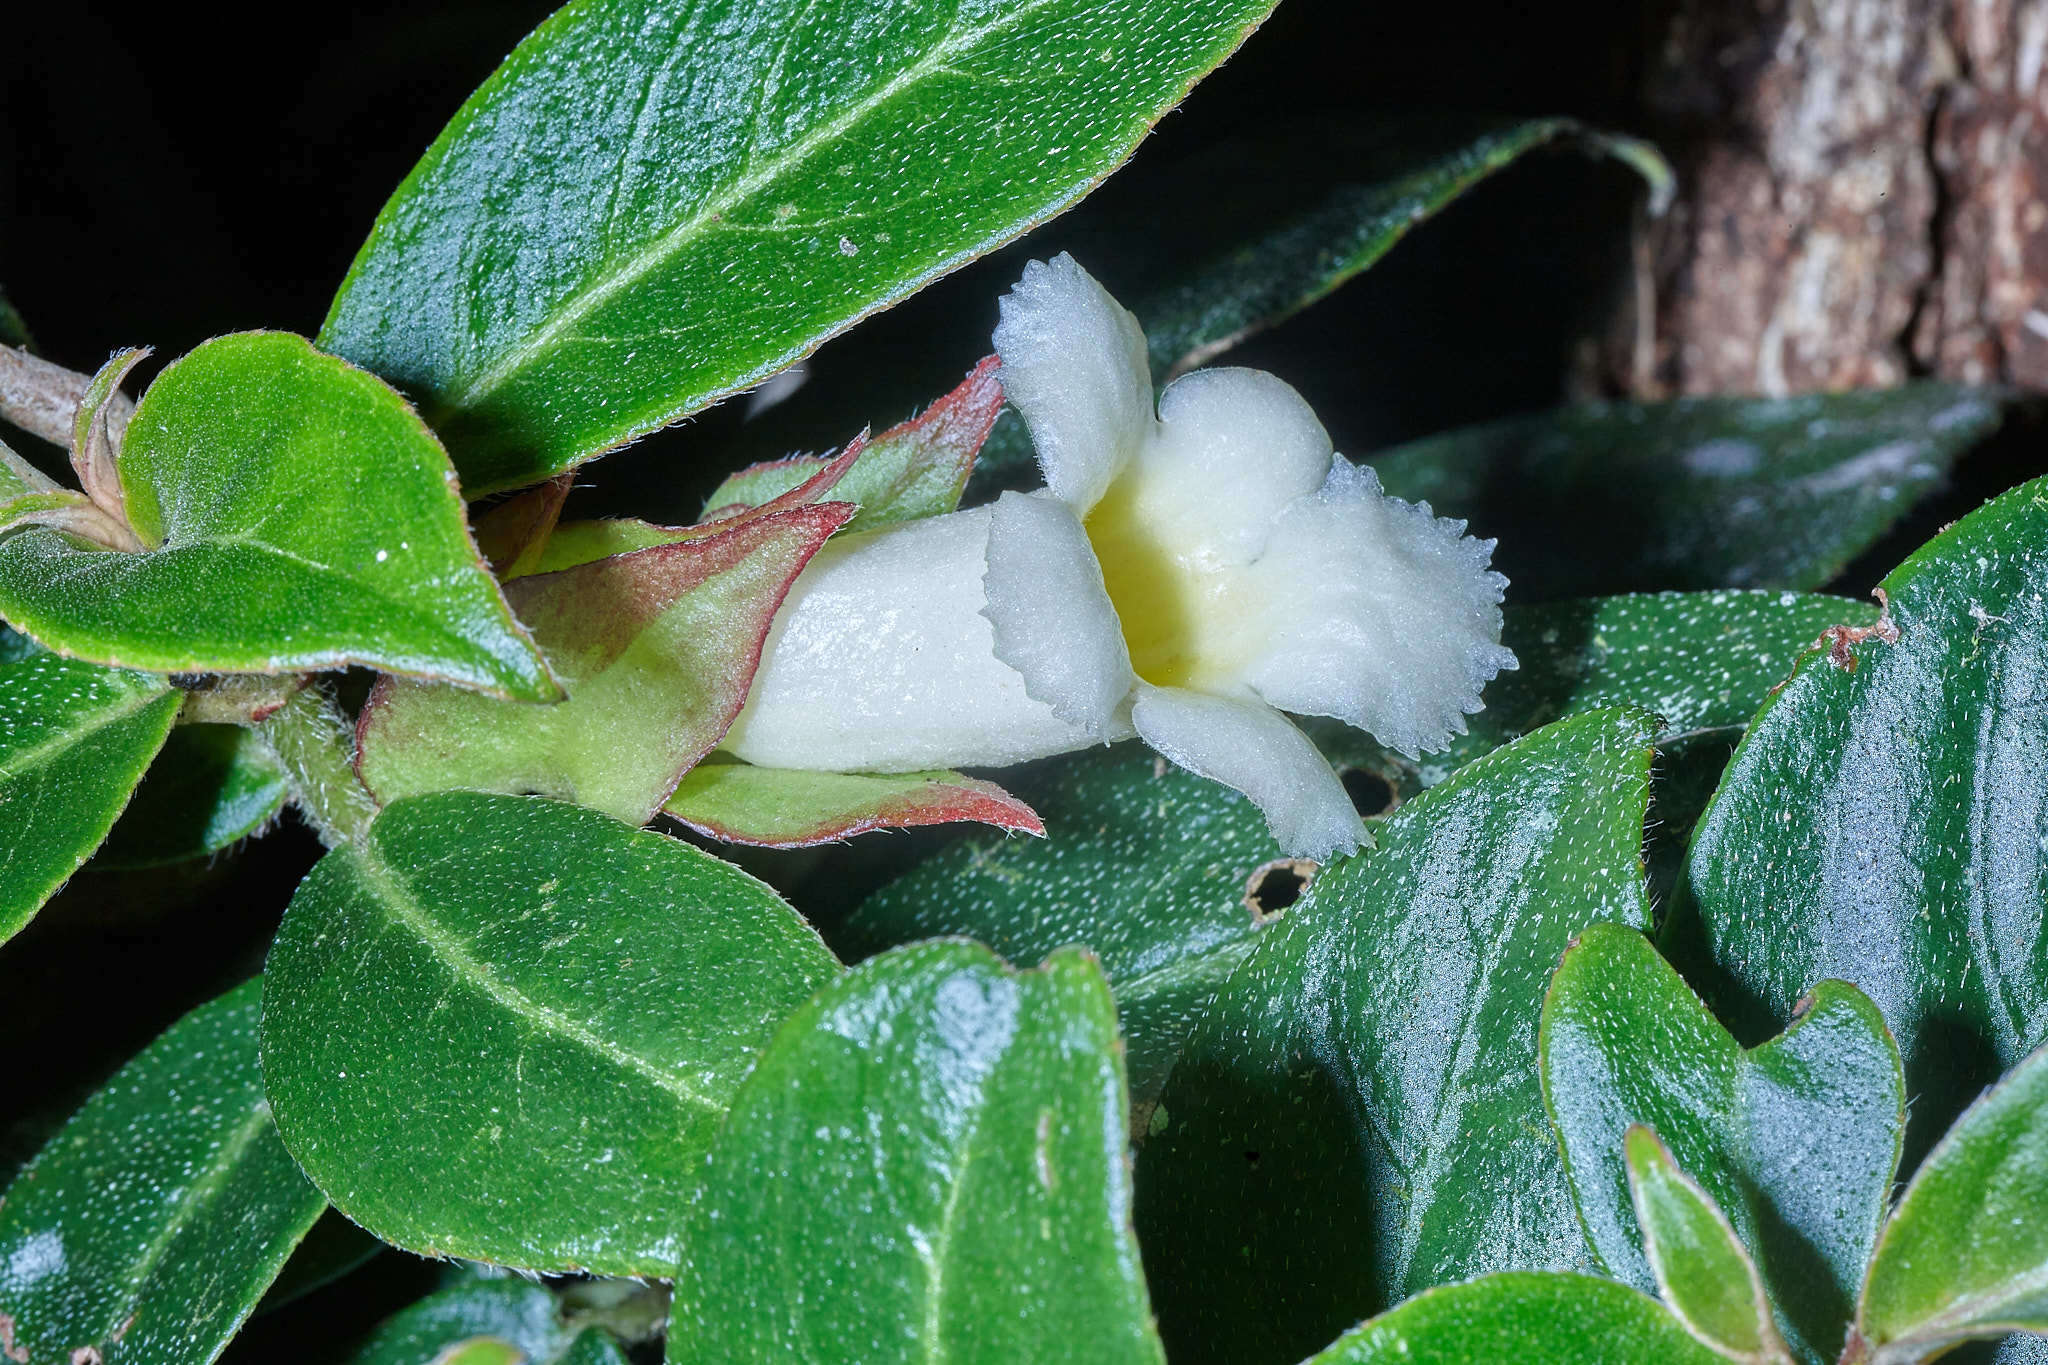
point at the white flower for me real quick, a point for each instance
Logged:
(1185, 575)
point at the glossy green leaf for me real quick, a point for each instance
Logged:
(1145, 863)
(606, 236)
(515, 1312)
(1703, 662)
(505, 1028)
(1358, 1115)
(150, 1226)
(210, 786)
(74, 741)
(331, 1249)
(915, 469)
(1261, 228)
(298, 516)
(1966, 1252)
(1795, 1140)
(1881, 822)
(1528, 1318)
(657, 647)
(954, 1131)
(1696, 493)
(1703, 1271)
(796, 808)
(593, 1347)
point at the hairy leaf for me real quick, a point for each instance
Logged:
(1966, 1253)
(296, 516)
(150, 1226)
(210, 786)
(517, 1313)
(1881, 823)
(1703, 1271)
(74, 741)
(1696, 493)
(1145, 863)
(605, 237)
(1795, 1140)
(1357, 1115)
(954, 1130)
(1528, 1318)
(506, 1029)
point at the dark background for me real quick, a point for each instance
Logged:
(172, 172)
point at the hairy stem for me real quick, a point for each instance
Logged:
(42, 399)
(316, 745)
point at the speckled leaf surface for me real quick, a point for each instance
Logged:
(956, 1130)
(505, 1028)
(1796, 1140)
(210, 786)
(1703, 662)
(1704, 1273)
(150, 1226)
(657, 648)
(603, 239)
(74, 741)
(1882, 821)
(298, 516)
(1696, 493)
(1358, 1114)
(797, 808)
(1966, 1252)
(1144, 863)
(1533, 1319)
(515, 1312)
(915, 469)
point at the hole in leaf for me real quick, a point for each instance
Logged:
(1371, 793)
(1274, 886)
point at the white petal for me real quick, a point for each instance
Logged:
(1378, 613)
(1052, 617)
(1233, 448)
(1074, 364)
(881, 661)
(1252, 747)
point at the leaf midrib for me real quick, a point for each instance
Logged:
(21, 762)
(393, 893)
(583, 302)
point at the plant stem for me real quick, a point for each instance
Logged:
(315, 744)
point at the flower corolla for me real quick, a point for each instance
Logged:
(1190, 571)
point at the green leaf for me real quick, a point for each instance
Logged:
(211, 786)
(1358, 1114)
(915, 469)
(955, 1131)
(1145, 863)
(74, 741)
(150, 1226)
(649, 207)
(593, 1347)
(515, 1312)
(796, 808)
(1697, 493)
(1966, 1253)
(1261, 229)
(505, 1029)
(331, 1249)
(1703, 662)
(658, 648)
(1702, 1270)
(1525, 1317)
(298, 516)
(1795, 1140)
(1881, 822)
